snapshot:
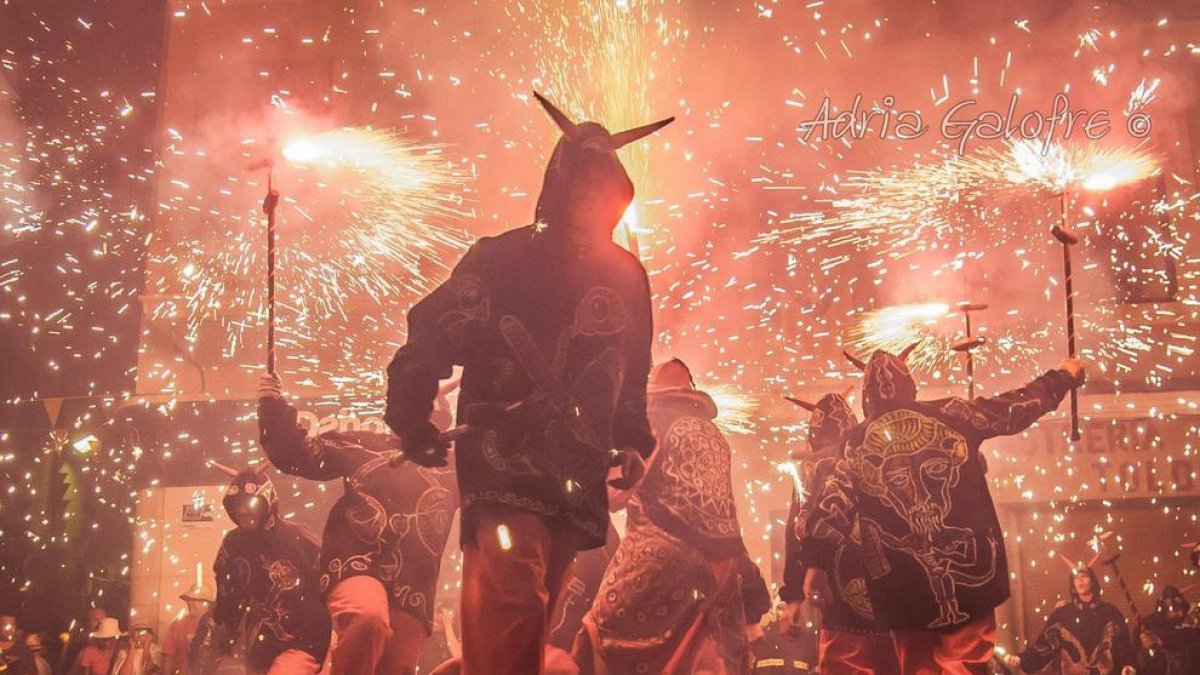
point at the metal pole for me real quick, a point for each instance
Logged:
(1068, 238)
(269, 204)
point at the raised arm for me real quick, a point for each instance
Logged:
(1014, 411)
(286, 443)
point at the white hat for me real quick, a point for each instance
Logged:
(109, 628)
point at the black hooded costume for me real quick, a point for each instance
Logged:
(392, 521)
(1081, 638)
(268, 598)
(1178, 640)
(552, 325)
(913, 485)
(850, 608)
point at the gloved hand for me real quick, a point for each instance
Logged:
(1074, 368)
(424, 445)
(270, 386)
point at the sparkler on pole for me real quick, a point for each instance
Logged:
(969, 344)
(1057, 168)
(1068, 239)
(1100, 547)
(270, 201)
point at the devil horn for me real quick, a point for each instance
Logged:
(1070, 565)
(802, 403)
(223, 469)
(623, 138)
(262, 468)
(854, 360)
(846, 392)
(1094, 559)
(560, 118)
(908, 350)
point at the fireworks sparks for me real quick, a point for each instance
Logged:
(369, 218)
(389, 237)
(735, 410)
(892, 329)
(1057, 167)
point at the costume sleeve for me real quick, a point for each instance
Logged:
(225, 610)
(287, 444)
(755, 597)
(828, 514)
(631, 427)
(1039, 653)
(793, 568)
(1122, 648)
(1013, 411)
(439, 329)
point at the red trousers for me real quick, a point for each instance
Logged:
(512, 574)
(850, 653)
(370, 637)
(964, 651)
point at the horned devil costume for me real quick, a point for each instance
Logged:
(383, 542)
(913, 486)
(552, 325)
(678, 594)
(268, 608)
(1086, 636)
(850, 640)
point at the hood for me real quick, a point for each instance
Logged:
(681, 401)
(831, 421)
(251, 485)
(887, 383)
(1172, 599)
(586, 189)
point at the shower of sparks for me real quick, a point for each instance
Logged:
(893, 329)
(1057, 167)
(736, 411)
(390, 238)
(100, 174)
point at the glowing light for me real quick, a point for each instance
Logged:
(86, 444)
(895, 328)
(503, 536)
(735, 410)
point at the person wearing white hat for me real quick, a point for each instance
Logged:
(97, 657)
(140, 655)
(179, 636)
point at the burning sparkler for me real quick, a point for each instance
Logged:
(894, 328)
(385, 241)
(735, 410)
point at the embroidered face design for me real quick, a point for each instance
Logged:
(910, 462)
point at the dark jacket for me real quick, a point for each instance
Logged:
(849, 608)
(268, 597)
(914, 485)
(391, 523)
(1080, 637)
(566, 341)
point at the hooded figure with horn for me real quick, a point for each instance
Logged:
(932, 544)
(850, 640)
(382, 546)
(681, 589)
(268, 610)
(552, 325)
(1084, 636)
